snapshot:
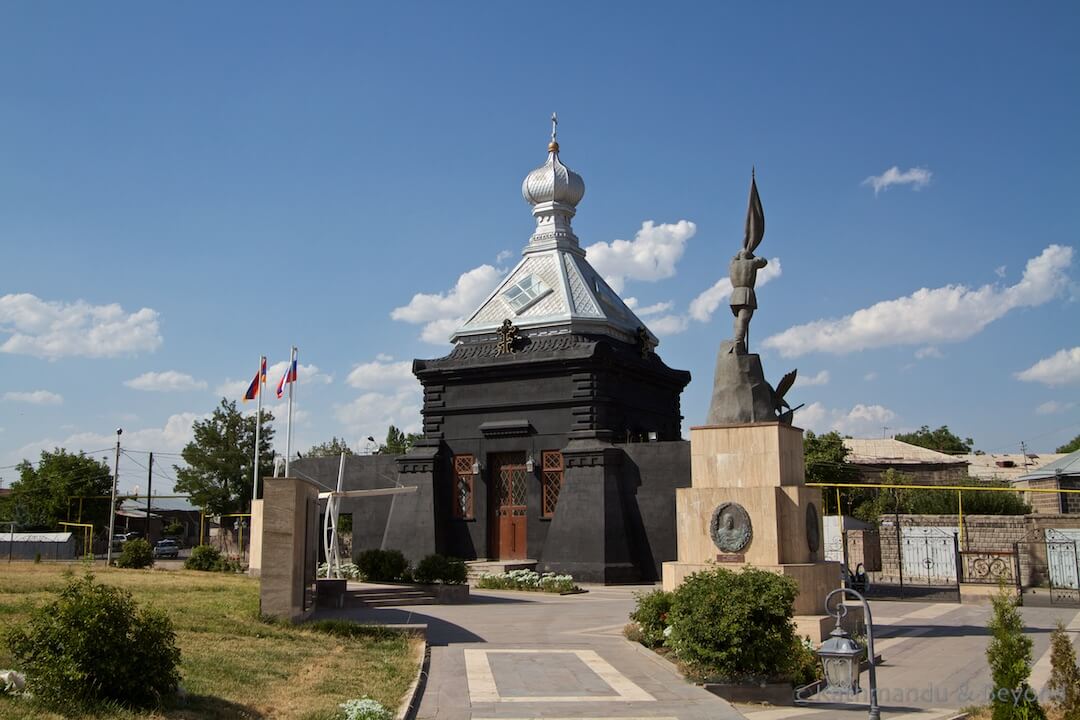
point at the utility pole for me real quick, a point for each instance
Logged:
(112, 501)
(884, 430)
(1023, 452)
(149, 494)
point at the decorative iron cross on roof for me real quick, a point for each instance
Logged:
(508, 335)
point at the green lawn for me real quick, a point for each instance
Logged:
(234, 665)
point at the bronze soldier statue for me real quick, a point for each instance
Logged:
(743, 270)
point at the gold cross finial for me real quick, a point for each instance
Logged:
(553, 146)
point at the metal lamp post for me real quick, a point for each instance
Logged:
(841, 657)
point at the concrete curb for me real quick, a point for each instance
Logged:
(410, 704)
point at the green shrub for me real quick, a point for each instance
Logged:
(205, 557)
(1009, 656)
(805, 666)
(173, 529)
(651, 615)
(734, 625)
(440, 569)
(136, 553)
(1064, 675)
(94, 646)
(383, 565)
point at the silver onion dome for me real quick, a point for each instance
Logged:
(553, 181)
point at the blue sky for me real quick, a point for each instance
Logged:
(186, 186)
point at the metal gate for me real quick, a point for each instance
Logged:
(924, 567)
(929, 554)
(1061, 554)
(1051, 569)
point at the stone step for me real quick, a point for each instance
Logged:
(476, 568)
(389, 597)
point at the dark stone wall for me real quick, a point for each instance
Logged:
(362, 472)
(651, 472)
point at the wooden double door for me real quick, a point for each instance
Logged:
(509, 489)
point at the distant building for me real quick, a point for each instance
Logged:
(1061, 474)
(871, 457)
(1008, 466)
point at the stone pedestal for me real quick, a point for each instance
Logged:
(740, 392)
(289, 548)
(760, 467)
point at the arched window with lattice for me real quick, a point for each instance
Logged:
(551, 477)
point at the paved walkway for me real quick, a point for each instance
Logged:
(510, 655)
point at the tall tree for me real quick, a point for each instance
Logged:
(1071, 446)
(397, 442)
(942, 440)
(333, 448)
(219, 460)
(45, 495)
(824, 457)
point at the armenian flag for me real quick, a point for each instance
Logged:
(288, 377)
(259, 379)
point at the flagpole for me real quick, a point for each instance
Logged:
(258, 432)
(288, 426)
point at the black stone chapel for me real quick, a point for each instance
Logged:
(552, 430)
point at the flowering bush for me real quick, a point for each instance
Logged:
(527, 580)
(365, 709)
(349, 571)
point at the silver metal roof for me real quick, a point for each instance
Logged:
(553, 289)
(1067, 465)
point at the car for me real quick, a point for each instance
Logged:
(166, 548)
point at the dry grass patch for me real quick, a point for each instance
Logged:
(234, 665)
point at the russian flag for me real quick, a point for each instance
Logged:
(288, 377)
(260, 378)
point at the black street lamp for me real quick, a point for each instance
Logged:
(841, 657)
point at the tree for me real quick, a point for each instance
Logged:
(44, 496)
(1071, 446)
(1009, 656)
(942, 440)
(824, 457)
(1064, 674)
(219, 459)
(397, 442)
(333, 448)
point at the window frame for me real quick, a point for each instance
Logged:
(462, 470)
(553, 465)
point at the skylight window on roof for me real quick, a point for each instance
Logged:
(525, 292)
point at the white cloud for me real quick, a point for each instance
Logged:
(305, 375)
(704, 305)
(167, 381)
(669, 324)
(1053, 407)
(34, 397)
(442, 313)
(383, 357)
(947, 314)
(171, 437)
(928, 352)
(870, 376)
(503, 256)
(382, 374)
(53, 330)
(916, 177)
(822, 378)
(654, 309)
(859, 420)
(372, 413)
(651, 255)
(1061, 368)
(1000, 271)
